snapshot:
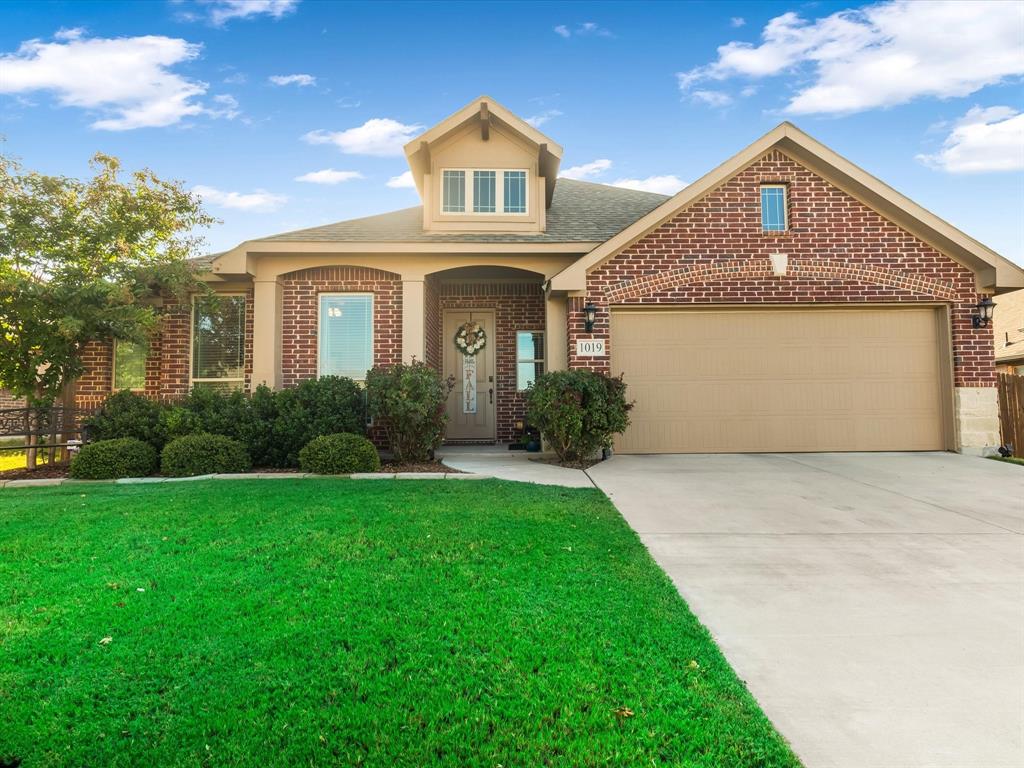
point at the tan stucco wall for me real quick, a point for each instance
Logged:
(977, 420)
(1008, 325)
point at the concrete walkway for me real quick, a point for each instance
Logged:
(498, 461)
(874, 603)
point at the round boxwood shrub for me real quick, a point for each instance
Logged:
(578, 412)
(203, 454)
(339, 454)
(110, 459)
(127, 414)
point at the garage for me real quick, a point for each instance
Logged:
(739, 380)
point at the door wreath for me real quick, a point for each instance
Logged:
(470, 338)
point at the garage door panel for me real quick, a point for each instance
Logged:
(780, 380)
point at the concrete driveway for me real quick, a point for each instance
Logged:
(874, 603)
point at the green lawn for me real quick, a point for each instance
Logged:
(378, 623)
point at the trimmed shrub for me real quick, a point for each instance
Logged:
(178, 421)
(111, 459)
(127, 414)
(258, 429)
(339, 454)
(203, 454)
(219, 412)
(578, 412)
(408, 402)
(324, 406)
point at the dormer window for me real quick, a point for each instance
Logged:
(483, 191)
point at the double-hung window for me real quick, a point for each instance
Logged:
(218, 341)
(484, 191)
(773, 208)
(346, 334)
(129, 366)
(529, 357)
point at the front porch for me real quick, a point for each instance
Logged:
(508, 305)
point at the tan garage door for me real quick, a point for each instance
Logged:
(741, 380)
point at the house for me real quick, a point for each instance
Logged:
(1008, 329)
(785, 301)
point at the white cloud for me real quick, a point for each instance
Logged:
(379, 136)
(329, 176)
(69, 33)
(881, 55)
(259, 201)
(539, 119)
(226, 107)
(663, 185)
(126, 79)
(712, 98)
(300, 80)
(222, 11)
(583, 29)
(737, 21)
(402, 181)
(596, 168)
(985, 139)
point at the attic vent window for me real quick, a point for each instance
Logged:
(484, 191)
(773, 208)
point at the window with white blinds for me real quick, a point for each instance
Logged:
(129, 365)
(218, 340)
(346, 334)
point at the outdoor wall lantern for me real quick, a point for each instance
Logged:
(983, 313)
(589, 316)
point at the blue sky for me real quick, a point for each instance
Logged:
(242, 98)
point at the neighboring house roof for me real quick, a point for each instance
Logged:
(994, 272)
(1008, 326)
(580, 212)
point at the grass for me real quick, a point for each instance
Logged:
(1008, 459)
(358, 623)
(16, 459)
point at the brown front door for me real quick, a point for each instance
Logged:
(470, 414)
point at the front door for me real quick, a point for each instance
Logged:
(471, 404)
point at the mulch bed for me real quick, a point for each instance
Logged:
(45, 472)
(586, 464)
(42, 472)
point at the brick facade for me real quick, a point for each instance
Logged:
(300, 308)
(167, 365)
(517, 307)
(839, 251)
(7, 400)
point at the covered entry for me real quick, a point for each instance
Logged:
(783, 379)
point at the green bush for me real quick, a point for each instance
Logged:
(203, 454)
(339, 454)
(218, 412)
(127, 414)
(110, 459)
(408, 402)
(578, 412)
(316, 407)
(178, 421)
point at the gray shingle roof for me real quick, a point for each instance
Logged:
(580, 212)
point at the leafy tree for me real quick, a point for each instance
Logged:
(83, 261)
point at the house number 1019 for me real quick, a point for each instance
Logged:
(590, 348)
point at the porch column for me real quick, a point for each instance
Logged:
(266, 333)
(413, 309)
(556, 345)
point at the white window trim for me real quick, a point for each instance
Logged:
(542, 360)
(192, 343)
(499, 193)
(785, 206)
(373, 327)
(113, 368)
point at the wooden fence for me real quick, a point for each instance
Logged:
(1011, 411)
